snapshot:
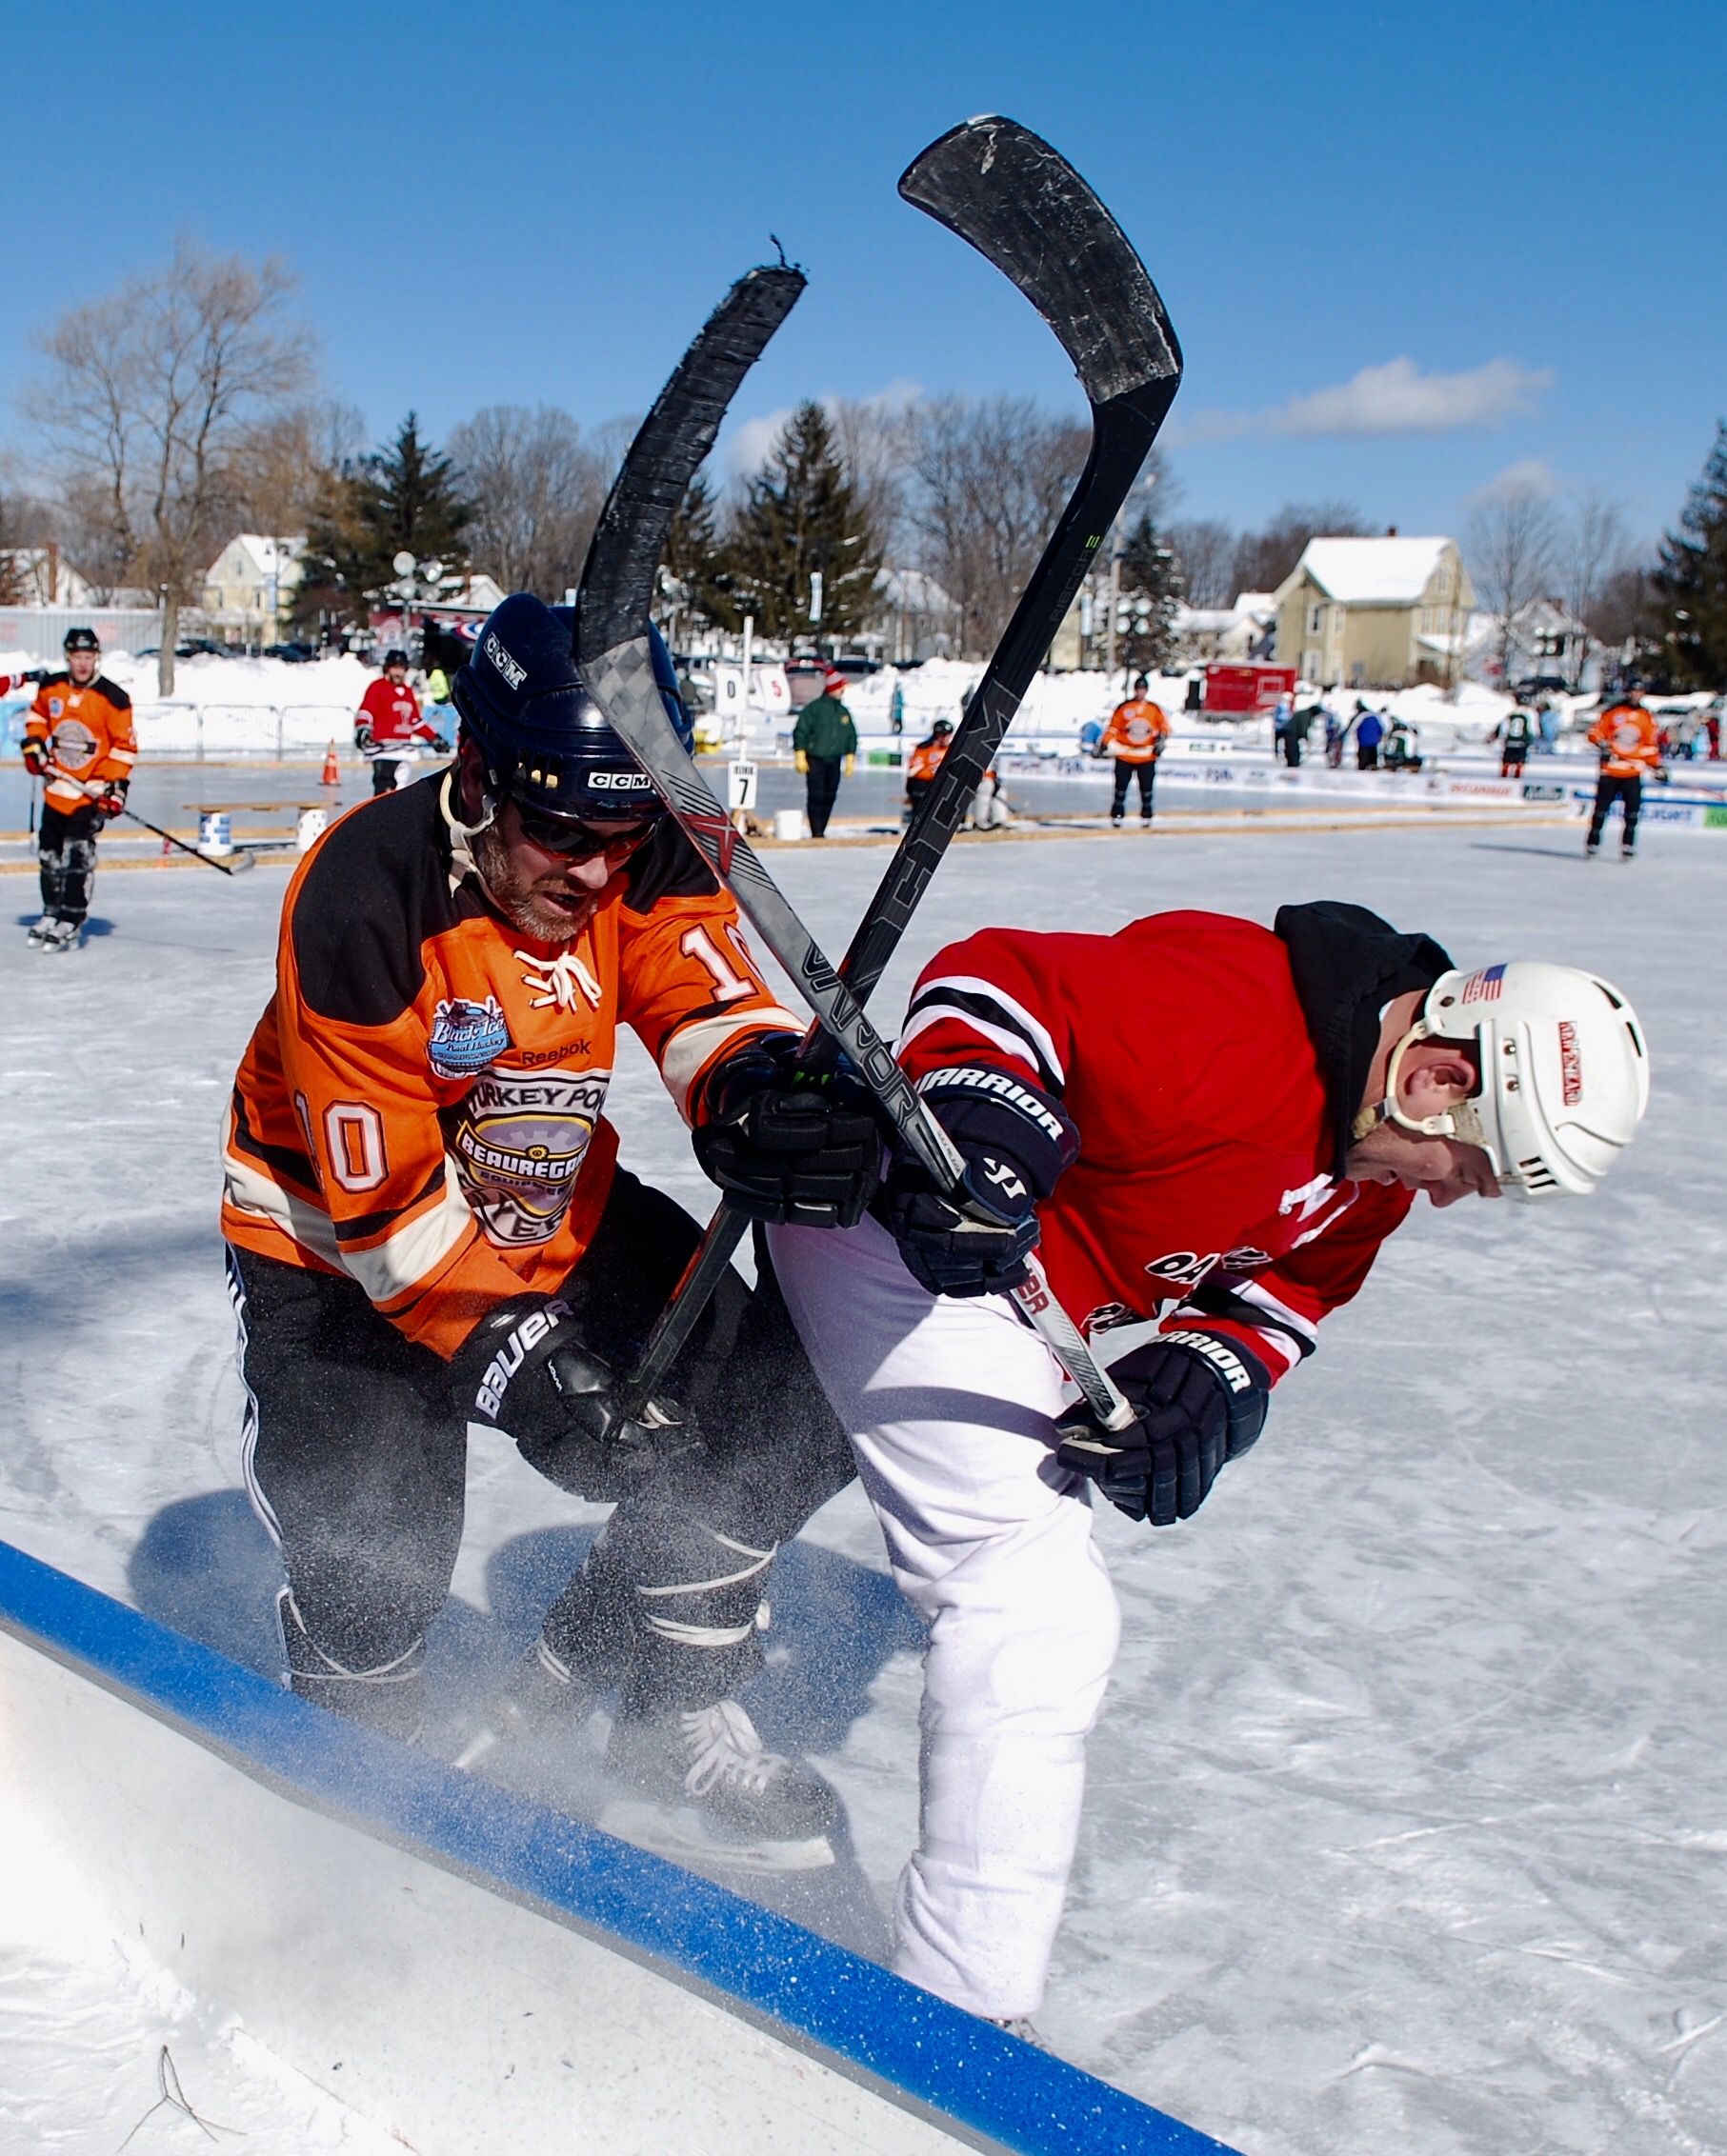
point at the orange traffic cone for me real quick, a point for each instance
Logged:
(332, 774)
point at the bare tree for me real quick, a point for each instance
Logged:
(537, 488)
(1205, 547)
(877, 441)
(1511, 543)
(1593, 543)
(279, 465)
(1263, 559)
(991, 475)
(146, 395)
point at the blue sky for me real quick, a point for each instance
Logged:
(1406, 248)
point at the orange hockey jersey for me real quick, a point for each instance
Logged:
(88, 733)
(1136, 731)
(421, 1104)
(1630, 746)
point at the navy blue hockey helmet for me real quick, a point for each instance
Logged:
(544, 739)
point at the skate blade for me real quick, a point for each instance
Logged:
(679, 1834)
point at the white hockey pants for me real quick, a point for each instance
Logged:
(949, 1407)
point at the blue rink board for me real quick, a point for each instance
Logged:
(859, 2018)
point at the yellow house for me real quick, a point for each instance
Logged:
(1385, 612)
(249, 588)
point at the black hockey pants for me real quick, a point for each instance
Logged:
(1125, 773)
(355, 1460)
(1629, 794)
(822, 789)
(65, 854)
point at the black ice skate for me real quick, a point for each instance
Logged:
(543, 1703)
(700, 1787)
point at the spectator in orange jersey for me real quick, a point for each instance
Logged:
(79, 738)
(924, 762)
(1135, 737)
(428, 1229)
(1630, 748)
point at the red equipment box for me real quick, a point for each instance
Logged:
(1242, 691)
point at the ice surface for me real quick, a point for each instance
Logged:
(1408, 1814)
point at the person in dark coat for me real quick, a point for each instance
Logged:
(824, 743)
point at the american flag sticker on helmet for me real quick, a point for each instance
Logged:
(1483, 987)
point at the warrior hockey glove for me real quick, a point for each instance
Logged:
(789, 1145)
(1200, 1400)
(523, 1370)
(1016, 1140)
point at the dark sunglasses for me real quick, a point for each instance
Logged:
(577, 842)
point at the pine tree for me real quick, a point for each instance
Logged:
(405, 498)
(1691, 582)
(802, 516)
(1150, 591)
(696, 587)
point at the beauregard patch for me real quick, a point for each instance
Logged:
(467, 1037)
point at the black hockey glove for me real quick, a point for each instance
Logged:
(1016, 1140)
(523, 1370)
(789, 1145)
(362, 737)
(1200, 1400)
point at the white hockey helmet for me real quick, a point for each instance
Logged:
(1564, 1073)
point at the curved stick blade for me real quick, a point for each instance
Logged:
(668, 450)
(1021, 204)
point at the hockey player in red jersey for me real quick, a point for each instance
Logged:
(1207, 1129)
(389, 729)
(429, 1229)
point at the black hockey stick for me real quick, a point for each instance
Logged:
(237, 866)
(615, 667)
(1005, 191)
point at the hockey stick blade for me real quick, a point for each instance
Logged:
(618, 577)
(1019, 202)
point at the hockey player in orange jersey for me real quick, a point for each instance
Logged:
(428, 1229)
(1134, 737)
(78, 738)
(1631, 751)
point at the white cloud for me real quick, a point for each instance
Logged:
(1395, 398)
(1528, 476)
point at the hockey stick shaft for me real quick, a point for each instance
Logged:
(1004, 190)
(208, 861)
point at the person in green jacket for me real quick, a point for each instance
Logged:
(824, 742)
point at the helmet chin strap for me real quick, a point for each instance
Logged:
(1463, 1122)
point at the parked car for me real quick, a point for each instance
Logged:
(296, 654)
(1534, 688)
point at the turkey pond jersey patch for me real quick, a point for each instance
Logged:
(421, 1106)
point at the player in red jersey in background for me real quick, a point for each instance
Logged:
(387, 727)
(1208, 1128)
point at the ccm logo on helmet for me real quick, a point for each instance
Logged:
(620, 782)
(513, 673)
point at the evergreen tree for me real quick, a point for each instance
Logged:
(696, 582)
(802, 516)
(1150, 591)
(405, 498)
(1691, 582)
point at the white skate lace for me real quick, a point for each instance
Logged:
(725, 1747)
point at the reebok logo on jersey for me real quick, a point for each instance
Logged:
(996, 1085)
(489, 1399)
(512, 671)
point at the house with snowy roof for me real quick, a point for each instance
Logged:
(249, 589)
(1385, 613)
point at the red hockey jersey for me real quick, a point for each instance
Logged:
(1204, 1188)
(391, 716)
